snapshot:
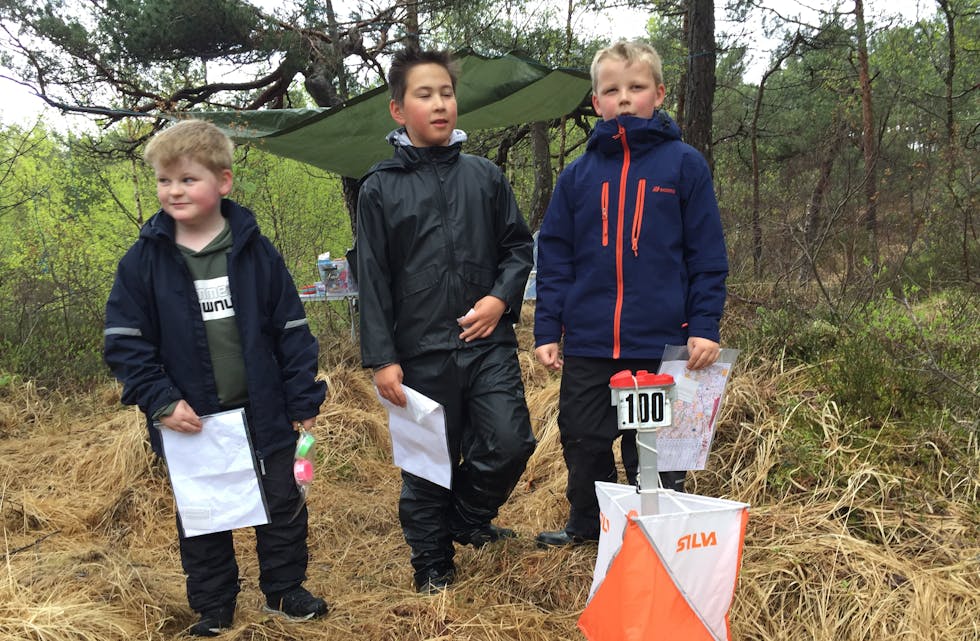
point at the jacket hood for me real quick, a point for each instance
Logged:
(161, 226)
(641, 133)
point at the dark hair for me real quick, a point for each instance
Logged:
(410, 57)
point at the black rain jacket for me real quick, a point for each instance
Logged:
(437, 230)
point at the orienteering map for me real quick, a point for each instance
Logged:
(685, 444)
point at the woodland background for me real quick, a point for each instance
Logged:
(847, 177)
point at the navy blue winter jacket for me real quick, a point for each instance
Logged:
(156, 345)
(631, 253)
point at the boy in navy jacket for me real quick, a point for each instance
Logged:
(631, 257)
(443, 256)
(204, 317)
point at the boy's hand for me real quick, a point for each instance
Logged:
(481, 322)
(550, 356)
(703, 352)
(305, 424)
(389, 382)
(184, 419)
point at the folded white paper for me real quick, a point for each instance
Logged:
(213, 475)
(418, 437)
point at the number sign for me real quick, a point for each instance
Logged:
(643, 409)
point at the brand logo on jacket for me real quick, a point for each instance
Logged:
(663, 190)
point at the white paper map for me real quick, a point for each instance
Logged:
(685, 444)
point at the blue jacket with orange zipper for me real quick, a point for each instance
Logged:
(631, 253)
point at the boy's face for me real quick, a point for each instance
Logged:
(623, 89)
(428, 110)
(190, 192)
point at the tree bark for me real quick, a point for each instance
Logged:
(700, 89)
(870, 217)
(543, 182)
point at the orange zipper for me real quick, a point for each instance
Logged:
(605, 213)
(623, 175)
(638, 215)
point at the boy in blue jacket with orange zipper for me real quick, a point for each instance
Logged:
(631, 258)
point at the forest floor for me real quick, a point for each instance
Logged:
(868, 548)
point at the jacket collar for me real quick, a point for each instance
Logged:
(161, 227)
(641, 133)
(409, 155)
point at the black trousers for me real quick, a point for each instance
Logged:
(209, 559)
(490, 441)
(589, 427)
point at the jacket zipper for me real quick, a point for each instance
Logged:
(623, 175)
(455, 296)
(605, 213)
(638, 215)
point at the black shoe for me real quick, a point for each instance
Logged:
(296, 605)
(562, 538)
(485, 535)
(213, 622)
(435, 579)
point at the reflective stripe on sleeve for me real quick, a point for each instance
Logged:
(122, 331)
(296, 323)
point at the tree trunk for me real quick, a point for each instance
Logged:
(682, 81)
(411, 22)
(543, 183)
(951, 148)
(870, 217)
(754, 140)
(811, 217)
(700, 90)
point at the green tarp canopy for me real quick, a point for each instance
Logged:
(347, 140)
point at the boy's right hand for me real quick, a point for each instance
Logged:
(388, 379)
(184, 419)
(549, 355)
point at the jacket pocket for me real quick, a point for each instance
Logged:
(478, 276)
(419, 282)
(638, 216)
(477, 281)
(605, 213)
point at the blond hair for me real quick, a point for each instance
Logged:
(631, 53)
(197, 140)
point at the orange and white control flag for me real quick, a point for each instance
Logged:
(668, 576)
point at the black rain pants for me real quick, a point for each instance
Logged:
(589, 426)
(490, 441)
(209, 559)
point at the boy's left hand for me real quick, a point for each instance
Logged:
(481, 322)
(306, 424)
(703, 352)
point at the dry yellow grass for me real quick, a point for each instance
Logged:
(90, 550)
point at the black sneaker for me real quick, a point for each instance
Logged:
(485, 535)
(435, 579)
(563, 538)
(213, 622)
(296, 605)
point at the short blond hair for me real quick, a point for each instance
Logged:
(632, 53)
(198, 140)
